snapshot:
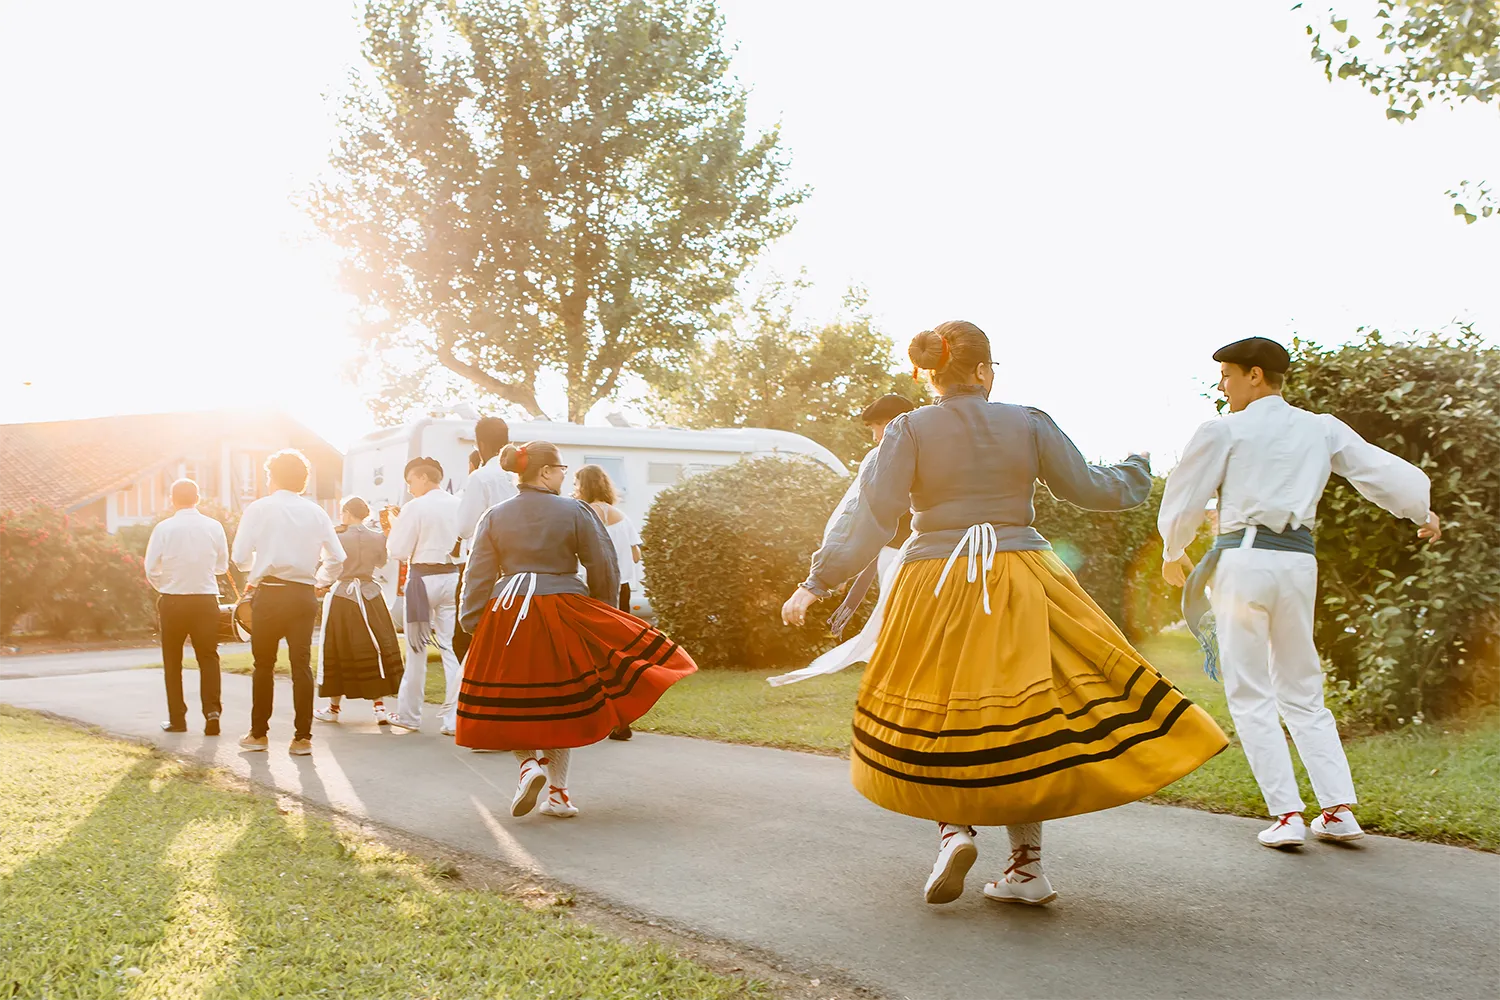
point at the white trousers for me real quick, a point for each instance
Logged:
(1263, 608)
(442, 601)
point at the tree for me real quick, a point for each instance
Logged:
(777, 374)
(529, 185)
(1443, 50)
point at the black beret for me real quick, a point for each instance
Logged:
(886, 408)
(1256, 352)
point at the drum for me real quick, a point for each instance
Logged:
(234, 621)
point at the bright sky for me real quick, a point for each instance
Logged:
(1111, 192)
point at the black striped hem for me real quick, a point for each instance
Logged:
(1006, 727)
(596, 696)
(1041, 771)
(1023, 748)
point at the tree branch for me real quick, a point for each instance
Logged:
(522, 395)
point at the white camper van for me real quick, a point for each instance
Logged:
(642, 461)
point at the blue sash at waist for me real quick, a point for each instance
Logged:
(1196, 608)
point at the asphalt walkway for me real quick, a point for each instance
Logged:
(774, 850)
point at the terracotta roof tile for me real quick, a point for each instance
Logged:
(67, 463)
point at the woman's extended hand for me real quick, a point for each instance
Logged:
(794, 611)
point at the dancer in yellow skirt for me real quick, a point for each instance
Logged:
(999, 694)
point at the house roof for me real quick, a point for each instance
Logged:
(66, 464)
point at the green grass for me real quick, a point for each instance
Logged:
(740, 707)
(125, 873)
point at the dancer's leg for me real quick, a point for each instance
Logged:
(956, 855)
(1024, 880)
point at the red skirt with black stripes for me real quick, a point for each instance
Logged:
(575, 669)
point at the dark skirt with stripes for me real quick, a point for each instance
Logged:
(357, 660)
(574, 670)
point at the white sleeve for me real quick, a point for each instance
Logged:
(1381, 478)
(244, 540)
(221, 551)
(471, 506)
(153, 558)
(333, 552)
(402, 542)
(1191, 485)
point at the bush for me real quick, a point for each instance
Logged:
(1409, 629)
(68, 578)
(725, 549)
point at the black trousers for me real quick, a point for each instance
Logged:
(282, 611)
(625, 598)
(195, 617)
(461, 639)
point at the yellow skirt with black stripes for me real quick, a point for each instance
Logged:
(1038, 710)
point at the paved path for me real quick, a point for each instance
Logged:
(773, 849)
(93, 661)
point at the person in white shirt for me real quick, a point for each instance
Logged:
(423, 537)
(186, 555)
(287, 544)
(592, 485)
(1268, 462)
(487, 485)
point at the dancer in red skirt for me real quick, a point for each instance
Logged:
(554, 664)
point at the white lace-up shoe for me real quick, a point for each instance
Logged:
(1288, 831)
(1024, 880)
(956, 855)
(329, 714)
(1337, 823)
(528, 788)
(558, 805)
(382, 715)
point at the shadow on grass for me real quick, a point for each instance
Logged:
(157, 882)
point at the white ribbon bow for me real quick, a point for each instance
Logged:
(982, 544)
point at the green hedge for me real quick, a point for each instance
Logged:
(724, 550)
(1409, 629)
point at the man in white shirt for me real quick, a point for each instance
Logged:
(423, 538)
(289, 547)
(186, 555)
(1268, 462)
(486, 486)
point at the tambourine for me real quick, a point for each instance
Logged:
(234, 619)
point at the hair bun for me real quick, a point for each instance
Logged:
(929, 351)
(510, 458)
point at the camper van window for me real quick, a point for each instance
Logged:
(663, 473)
(614, 468)
(698, 468)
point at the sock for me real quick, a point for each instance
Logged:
(522, 756)
(557, 767)
(1025, 852)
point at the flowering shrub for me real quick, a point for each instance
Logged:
(67, 578)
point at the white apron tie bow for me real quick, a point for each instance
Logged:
(510, 592)
(982, 544)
